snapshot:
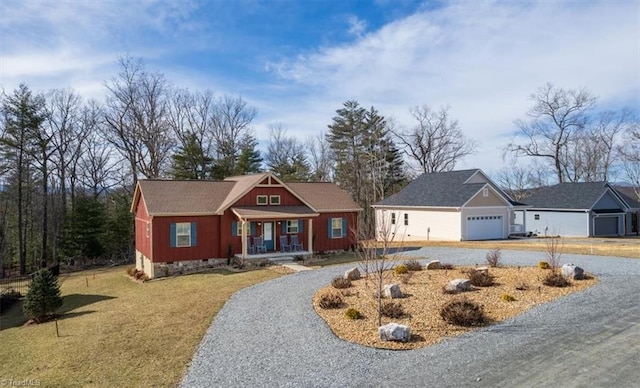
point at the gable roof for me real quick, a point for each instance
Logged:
(628, 194)
(569, 195)
(442, 189)
(202, 197)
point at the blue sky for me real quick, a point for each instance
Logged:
(298, 61)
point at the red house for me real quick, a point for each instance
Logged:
(189, 224)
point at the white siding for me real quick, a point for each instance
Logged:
(566, 224)
(427, 224)
(486, 211)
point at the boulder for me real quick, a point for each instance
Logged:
(459, 285)
(572, 271)
(352, 274)
(434, 264)
(394, 332)
(392, 291)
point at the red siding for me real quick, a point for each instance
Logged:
(321, 232)
(207, 244)
(142, 219)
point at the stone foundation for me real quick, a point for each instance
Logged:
(163, 269)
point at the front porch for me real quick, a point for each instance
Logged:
(276, 255)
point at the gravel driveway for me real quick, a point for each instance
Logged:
(268, 335)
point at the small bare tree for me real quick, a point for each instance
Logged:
(555, 247)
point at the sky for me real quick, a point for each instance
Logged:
(297, 62)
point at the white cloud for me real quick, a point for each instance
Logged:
(356, 26)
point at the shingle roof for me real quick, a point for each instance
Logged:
(324, 196)
(254, 212)
(442, 189)
(629, 195)
(568, 195)
(190, 197)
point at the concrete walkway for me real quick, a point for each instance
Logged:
(296, 267)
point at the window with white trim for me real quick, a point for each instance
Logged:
(262, 200)
(292, 226)
(274, 199)
(239, 228)
(406, 219)
(183, 234)
(336, 228)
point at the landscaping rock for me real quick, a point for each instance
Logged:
(572, 271)
(392, 291)
(394, 332)
(352, 274)
(459, 285)
(434, 264)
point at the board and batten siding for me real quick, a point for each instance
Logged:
(207, 240)
(563, 223)
(424, 224)
(143, 230)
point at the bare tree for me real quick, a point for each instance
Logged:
(98, 165)
(436, 143)
(630, 151)
(556, 118)
(136, 118)
(320, 158)
(286, 156)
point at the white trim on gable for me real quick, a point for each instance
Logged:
(496, 192)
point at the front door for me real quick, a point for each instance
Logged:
(267, 234)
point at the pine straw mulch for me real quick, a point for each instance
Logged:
(424, 298)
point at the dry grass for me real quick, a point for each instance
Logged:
(425, 299)
(119, 333)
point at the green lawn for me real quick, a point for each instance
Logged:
(116, 332)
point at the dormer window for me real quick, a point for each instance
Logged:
(274, 200)
(261, 200)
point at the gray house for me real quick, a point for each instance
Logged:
(579, 210)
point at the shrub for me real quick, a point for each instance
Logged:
(493, 257)
(352, 313)
(331, 300)
(131, 271)
(400, 269)
(43, 297)
(481, 278)
(392, 310)
(463, 312)
(406, 277)
(340, 282)
(543, 265)
(507, 298)
(8, 298)
(413, 265)
(447, 266)
(555, 279)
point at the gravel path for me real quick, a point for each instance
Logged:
(269, 335)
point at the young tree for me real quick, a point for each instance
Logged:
(43, 297)
(436, 143)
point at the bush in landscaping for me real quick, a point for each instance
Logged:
(543, 265)
(352, 313)
(8, 298)
(413, 265)
(493, 257)
(392, 310)
(463, 312)
(555, 279)
(131, 271)
(331, 300)
(43, 297)
(481, 278)
(406, 278)
(400, 269)
(507, 298)
(340, 282)
(447, 266)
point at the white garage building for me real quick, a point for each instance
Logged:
(455, 205)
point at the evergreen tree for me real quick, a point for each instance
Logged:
(84, 229)
(43, 297)
(249, 160)
(190, 161)
(120, 234)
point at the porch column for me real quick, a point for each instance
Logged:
(244, 239)
(310, 235)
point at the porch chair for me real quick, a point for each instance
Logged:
(258, 245)
(250, 248)
(295, 244)
(284, 244)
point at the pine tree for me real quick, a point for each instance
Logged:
(190, 160)
(43, 297)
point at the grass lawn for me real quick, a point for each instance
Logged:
(115, 332)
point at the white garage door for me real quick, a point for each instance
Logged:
(484, 227)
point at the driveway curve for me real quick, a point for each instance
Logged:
(268, 335)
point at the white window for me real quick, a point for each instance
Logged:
(183, 234)
(292, 226)
(406, 219)
(393, 218)
(336, 228)
(262, 200)
(239, 228)
(274, 199)
(485, 192)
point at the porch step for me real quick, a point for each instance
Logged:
(297, 267)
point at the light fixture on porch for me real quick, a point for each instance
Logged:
(259, 223)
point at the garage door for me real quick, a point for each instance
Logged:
(606, 226)
(484, 227)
